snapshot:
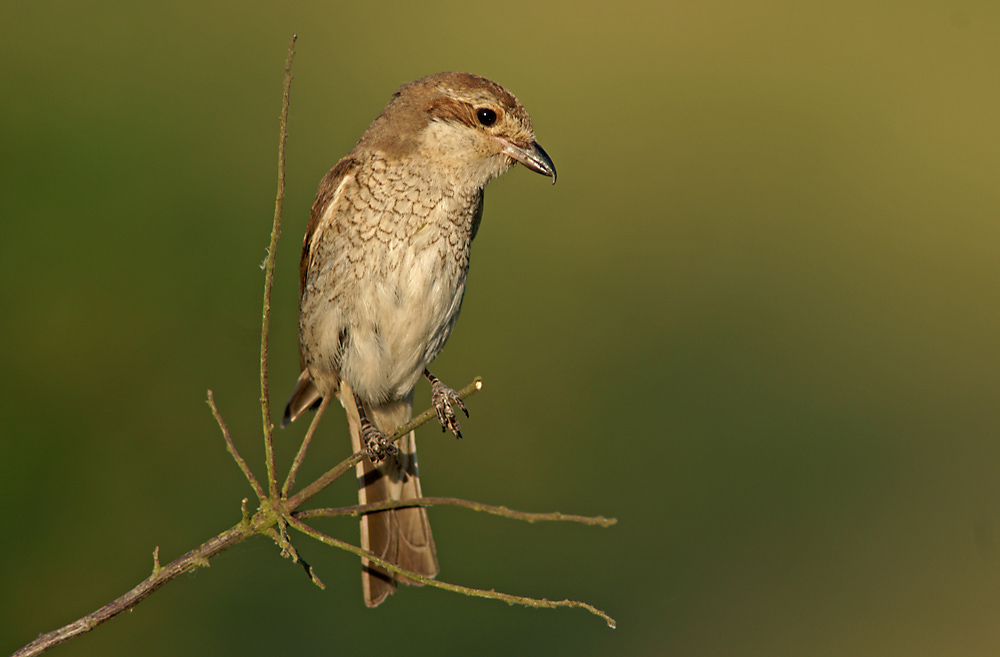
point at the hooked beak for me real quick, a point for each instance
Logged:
(532, 156)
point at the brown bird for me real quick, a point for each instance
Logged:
(383, 271)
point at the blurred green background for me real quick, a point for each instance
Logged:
(756, 320)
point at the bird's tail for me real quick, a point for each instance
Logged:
(400, 536)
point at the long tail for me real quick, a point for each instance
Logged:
(400, 536)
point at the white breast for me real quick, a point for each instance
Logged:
(401, 319)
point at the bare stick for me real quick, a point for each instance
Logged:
(263, 522)
(361, 509)
(232, 449)
(454, 588)
(197, 558)
(300, 456)
(265, 395)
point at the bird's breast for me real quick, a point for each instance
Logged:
(386, 279)
(403, 310)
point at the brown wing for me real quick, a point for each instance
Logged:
(305, 395)
(327, 190)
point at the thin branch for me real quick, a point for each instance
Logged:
(360, 509)
(272, 249)
(264, 521)
(300, 456)
(232, 449)
(454, 588)
(197, 558)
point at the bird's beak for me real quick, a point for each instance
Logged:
(532, 156)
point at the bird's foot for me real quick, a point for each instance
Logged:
(445, 400)
(377, 444)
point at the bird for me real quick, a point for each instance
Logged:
(382, 277)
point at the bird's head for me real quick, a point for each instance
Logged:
(468, 126)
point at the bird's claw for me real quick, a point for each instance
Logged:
(377, 444)
(445, 400)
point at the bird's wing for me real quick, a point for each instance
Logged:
(328, 201)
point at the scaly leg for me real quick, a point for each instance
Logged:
(444, 400)
(376, 442)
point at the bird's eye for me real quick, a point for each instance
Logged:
(486, 116)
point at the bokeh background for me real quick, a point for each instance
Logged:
(756, 321)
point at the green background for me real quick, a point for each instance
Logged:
(756, 321)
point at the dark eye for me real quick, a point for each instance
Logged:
(486, 116)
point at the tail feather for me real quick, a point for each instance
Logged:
(400, 536)
(304, 396)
